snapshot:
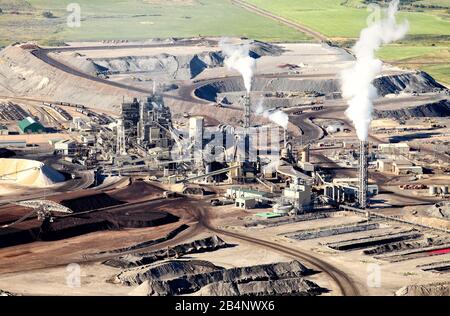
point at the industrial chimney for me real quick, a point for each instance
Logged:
(363, 174)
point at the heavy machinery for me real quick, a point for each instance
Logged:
(43, 209)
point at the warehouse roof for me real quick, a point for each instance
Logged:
(29, 122)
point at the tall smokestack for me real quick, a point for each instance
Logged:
(247, 124)
(247, 113)
(363, 174)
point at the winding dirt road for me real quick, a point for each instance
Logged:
(299, 27)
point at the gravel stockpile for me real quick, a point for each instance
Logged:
(29, 173)
(284, 278)
(139, 259)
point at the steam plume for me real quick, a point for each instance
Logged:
(238, 58)
(357, 86)
(278, 117)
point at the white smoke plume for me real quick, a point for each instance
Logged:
(357, 82)
(278, 117)
(237, 57)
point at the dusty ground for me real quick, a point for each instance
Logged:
(359, 266)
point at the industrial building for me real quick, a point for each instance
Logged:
(401, 166)
(66, 147)
(30, 126)
(394, 149)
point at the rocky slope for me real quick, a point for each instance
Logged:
(435, 109)
(435, 289)
(22, 74)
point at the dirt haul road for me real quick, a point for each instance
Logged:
(296, 26)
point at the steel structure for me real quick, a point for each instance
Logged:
(121, 143)
(363, 174)
(247, 112)
(42, 208)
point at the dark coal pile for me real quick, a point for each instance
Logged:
(293, 286)
(137, 190)
(409, 82)
(65, 227)
(405, 245)
(259, 49)
(80, 224)
(366, 242)
(244, 280)
(91, 202)
(164, 271)
(439, 267)
(286, 220)
(332, 231)
(211, 91)
(139, 259)
(6, 153)
(436, 109)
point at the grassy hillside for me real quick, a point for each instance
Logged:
(135, 19)
(426, 47)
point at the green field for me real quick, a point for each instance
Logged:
(135, 20)
(427, 43)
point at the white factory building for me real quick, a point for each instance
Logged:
(394, 149)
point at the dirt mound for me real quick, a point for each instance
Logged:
(145, 244)
(83, 223)
(137, 190)
(91, 202)
(139, 259)
(81, 63)
(66, 227)
(166, 270)
(268, 273)
(435, 109)
(440, 210)
(294, 286)
(30, 173)
(259, 49)
(434, 289)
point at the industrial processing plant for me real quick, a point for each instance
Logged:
(224, 162)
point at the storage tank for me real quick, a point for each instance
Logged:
(282, 208)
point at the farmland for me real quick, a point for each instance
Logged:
(341, 21)
(135, 20)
